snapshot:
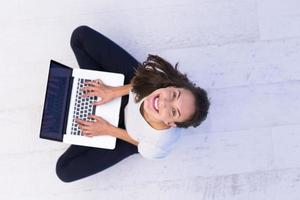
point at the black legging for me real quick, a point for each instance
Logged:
(95, 51)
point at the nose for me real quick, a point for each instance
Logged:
(166, 103)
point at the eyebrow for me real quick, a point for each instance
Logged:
(177, 99)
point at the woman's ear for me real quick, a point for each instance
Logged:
(169, 124)
(172, 124)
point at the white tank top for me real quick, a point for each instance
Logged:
(153, 143)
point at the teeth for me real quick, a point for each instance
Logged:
(156, 103)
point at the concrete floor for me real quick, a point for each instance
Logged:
(246, 54)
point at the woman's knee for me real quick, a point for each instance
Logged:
(78, 34)
(62, 171)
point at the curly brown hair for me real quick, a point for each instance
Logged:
(155, 73)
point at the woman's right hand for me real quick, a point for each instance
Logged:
(105, 93)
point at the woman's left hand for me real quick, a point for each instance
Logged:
(98, 127)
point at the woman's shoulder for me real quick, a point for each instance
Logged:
(169, 136)
(159, 146)
(153, 145)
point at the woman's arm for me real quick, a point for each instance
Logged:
(123, 135)
(101, 127)
(121, 90)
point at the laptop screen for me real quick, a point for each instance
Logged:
(56, 101)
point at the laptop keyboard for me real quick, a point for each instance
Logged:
(83, 107)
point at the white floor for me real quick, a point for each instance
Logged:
(245, 53)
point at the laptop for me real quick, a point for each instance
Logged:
(63, 104)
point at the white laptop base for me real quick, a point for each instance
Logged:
(109, 111)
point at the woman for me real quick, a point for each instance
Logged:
(157, 100)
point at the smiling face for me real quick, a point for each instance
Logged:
(165, 106)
